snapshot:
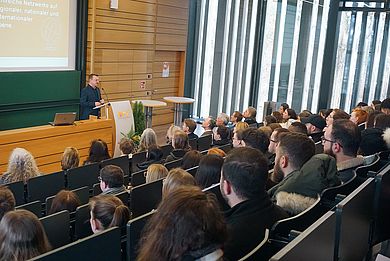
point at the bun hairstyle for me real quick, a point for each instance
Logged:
(109, 211)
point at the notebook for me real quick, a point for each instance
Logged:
(63, 118)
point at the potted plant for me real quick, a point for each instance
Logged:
(139, 123)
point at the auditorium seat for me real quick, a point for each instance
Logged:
(138, 178)
(145, 197)
(18, 190)
(173, 164)
(166, 149)
(34, 207)
(226, 148)
(57, 228)
(82, 225)
(192, 170)
(41, 187)
(137, 158)
(122, 162)
(259, 252)
(86, 175)
(204, 142)
(193, 144)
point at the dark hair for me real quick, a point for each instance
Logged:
(305, 114)
(238, 115)
(371, 118)
(325, 112)
(191, 159)
(361, 104)
(127, 146)
(209, 171)
(154, 153)
(270, 119)
(340, 114)
(382, 121)
(254, 138)
(278, 131)
(109, 211)
(292, 114)
(372, 142)
(22, 236)
(112, 175)
(298, 147)
(186, 221)
(98, 151)
(65, 200)
(348, 135)
(90, 77)
(285, 106)
(385, 104)
(223, 132)
(247, 171)
(274, 126)
(180, 140)
(7, 201)
(298, 127)
(191, 124)
(376, 102)
(278, 116)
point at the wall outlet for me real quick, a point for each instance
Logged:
(149, 76)
(148, 93)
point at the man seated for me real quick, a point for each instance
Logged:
(315, 125)
(298, 127)
(189, 127)
(111, 180)
(305, 175)
(341, 140)
(242, 183)
(252, 137)
(208, 125)
(250, 115)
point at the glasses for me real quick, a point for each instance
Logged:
(323, 140)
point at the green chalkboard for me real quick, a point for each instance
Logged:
(32, 98)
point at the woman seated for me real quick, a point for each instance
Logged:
(191, 159)
(209, 171)
(188, 225)
(153, 156)
(156, 172)
(70, 158)
(22, 236)
(98, 151)
(180, 144)
(177, 178)
(21, 167)
(65, 200)
(148, 138)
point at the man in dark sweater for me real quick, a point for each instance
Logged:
(243, 178)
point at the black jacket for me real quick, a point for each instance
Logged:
(88, 97)
(175, 155)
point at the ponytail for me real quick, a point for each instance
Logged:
(121, 216)
(109, 211)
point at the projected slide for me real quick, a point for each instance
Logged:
(37, 35)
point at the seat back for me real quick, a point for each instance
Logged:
(57, 228)
(134, 229)
(41, 187)
(138, 178)
(166, 149)
(328, 196)
(34, 207)
(137, 158)
(122, 162)
(257, 253)
(217, 192)
(204, 142)
(193, 144)
(173, 164)
(89, 248)
(82, 225)
(17, 189)
(226, 148)
(362, 171)
(145, 197)
(124, 197)
(86, 175)
(192, 170)
(96, 189)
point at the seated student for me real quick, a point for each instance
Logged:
(221, 136)
(385, 106)
(7, 201)
(70, 158)
(156, 172)
(289, 116)
(191, 159)
(107, 211)
(171, 130)
(209, 171)
(252, 137)
(127, 147)
(371, 119)
(336, 114)
(298, 127)
(273, 141)
(304, 114)
(208, 126)
(64, 200)
(153, 156)
(243, 177)
(180, 146)
(216, 151)
(315, 125)
(373, 141)
(22, 236)
(187, 226)
(382, 121)
(98, 151)
(189, 127)
(111, 180)
(148, 138)
(359, 117)
(222, 119)
(177, 178)
(250, 115)
(21, 167)
(235, 118)
(283, 107)
(269, 119)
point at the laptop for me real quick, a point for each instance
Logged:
(63, 118)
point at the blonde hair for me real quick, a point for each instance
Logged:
(155, 172)
(148, 138)
(70, 158)
(177, 178)
(171, 131)
(21, 166)
(241, 125)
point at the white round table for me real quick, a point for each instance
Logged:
(149, 105)
(178, 102)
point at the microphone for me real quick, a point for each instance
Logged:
(105, 94)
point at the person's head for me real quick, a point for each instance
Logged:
(180, 141)
(267, 130)
(209, 170)
(7, 201)
(298, 127)
(127, 146)
(156, 172)
(324, 113)
(289, 114)
(336, 114)
(250, 112)
(240, 126)
(148, 138)
(244, 174)
(270, 119)
(93, 80)
(154, 153)
(382, 121)
(367, 109)
(236, 117)
(221, 133)
(177, 178)
(385, 106)
(274, 126)
(358, 116)
(274, 139)
(208, 123)
(284, 106)
(65, 200)
(187, 221)
(254, 138)
(314, 123)
(371, 119)
(222, 119)
(189, 126)
(341, 139)
(191, 159)
(98, 151)
(111, 176)
(292, 151)
(70, 158)
(216, 151)
(21, 166)
(278, 116)
(22, 236)
(361, 104)
(107, 211)
(171, 130)
(304, 114)
(376, 105)
(372, 142)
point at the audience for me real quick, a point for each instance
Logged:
(64, 200)
(177, 178)
(289, 116)
(341, 140)
(336, 114)
(7, 201)
(385, 106)
(243, 177)
(188, 225)
(216, 151)
(382, 121)
(283, 107)
(209, 170)
(359, 117)
(98, 151)
(315, 125)
(180, 144)
(111, 180)
(267, 130)
(371, 119)
(153, 155)
(148, 138)
(127, 147)
(298, 127)
(21, 167)
(270, 119)
(236, 117)
(304, 114)
(240, 126)
(278, 116)
(189, 127)
(222, 119)
(171, 130)
(107, 211)
(251, 137)
(156, 172)
(70, 158)
(372, 141)
(250, 115)
(208, 126)
(22, 236)
(324, 113)
(221, 136)
(191, 159)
